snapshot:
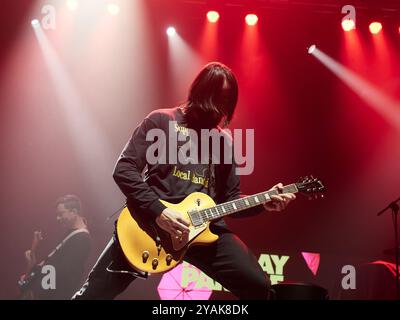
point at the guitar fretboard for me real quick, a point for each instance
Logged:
(234, 206)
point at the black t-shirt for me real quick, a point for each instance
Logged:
(172, 180)
(69, 265)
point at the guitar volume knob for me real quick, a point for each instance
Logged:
(154, 263)
(168, 259)
(145, 256)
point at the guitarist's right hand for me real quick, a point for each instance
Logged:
(173, 222)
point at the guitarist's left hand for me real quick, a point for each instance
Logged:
(30, 255)
(30, 258)
(281, 201)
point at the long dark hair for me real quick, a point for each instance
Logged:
(213, 95)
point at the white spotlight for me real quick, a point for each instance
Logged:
(312, 48)
(72, 5)
(113, 9)
(171, 31)
(35, 23)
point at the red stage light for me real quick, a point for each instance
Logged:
(251, 19)
(375, 27)
(212, 16)
(348, 24)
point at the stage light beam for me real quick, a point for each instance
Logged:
(382, 103)
(83, 129)
(251, 19)
(212, 16)
(375, 27)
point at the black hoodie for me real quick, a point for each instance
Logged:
(170, 181)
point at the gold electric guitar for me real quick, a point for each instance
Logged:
(148, 248)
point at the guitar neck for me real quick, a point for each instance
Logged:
(241, 204)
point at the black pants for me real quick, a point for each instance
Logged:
(228, 261)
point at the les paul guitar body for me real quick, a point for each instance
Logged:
(150, 249)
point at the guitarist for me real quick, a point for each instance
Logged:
(211, 102)
(68, 258)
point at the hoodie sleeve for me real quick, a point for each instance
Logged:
(129, 167)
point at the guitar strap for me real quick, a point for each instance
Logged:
(211, 172)
(69, 236)
(213, 177)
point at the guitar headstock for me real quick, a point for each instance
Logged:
(311, 187)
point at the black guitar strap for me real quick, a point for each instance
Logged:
(213, 177)
(211, 182)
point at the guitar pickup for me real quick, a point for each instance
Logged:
(195, 217)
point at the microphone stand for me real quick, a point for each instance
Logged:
(395, 211)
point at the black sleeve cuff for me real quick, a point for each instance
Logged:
(155, 208)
